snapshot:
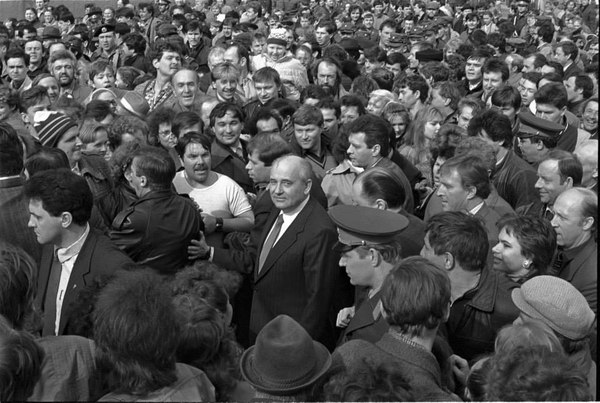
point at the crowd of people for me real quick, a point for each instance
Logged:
(299, 200)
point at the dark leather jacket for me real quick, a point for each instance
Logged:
(477, 316)
(157, 229)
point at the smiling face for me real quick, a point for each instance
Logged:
(508, 256)
(491, 81)
(196, 162)
(227, 129)
(225, 88)
(275, 51)
(549, 185)
(590, 116)
(168, 64)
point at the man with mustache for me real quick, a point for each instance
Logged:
(62, 65)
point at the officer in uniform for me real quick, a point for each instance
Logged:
(107, 45)
(369, 247)
(537, 137)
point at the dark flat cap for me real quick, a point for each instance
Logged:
(532, 126)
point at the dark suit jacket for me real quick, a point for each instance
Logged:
(226, 162)
(363, 326)
(299, 275)
(98, 257)
(581, 270)
(572, 70)
(490, 218)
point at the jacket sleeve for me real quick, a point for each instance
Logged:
(321, 272)
(128, 231)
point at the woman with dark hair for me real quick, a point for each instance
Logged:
(525, 247)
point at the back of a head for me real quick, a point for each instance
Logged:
(527, 334)
(11, 151)
(156, 165)
(412, 316)
(269, 147)
(20, 363)
(46, 158)
(535, 374)
(18, 274)
(461, 235)
(136, 332)
(380, 183)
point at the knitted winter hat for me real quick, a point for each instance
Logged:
(50, 126)
(278, 36)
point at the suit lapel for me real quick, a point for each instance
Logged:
(286, 240)
(81, 268)
(364, 315)
(44, 274)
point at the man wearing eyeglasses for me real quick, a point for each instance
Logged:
(369, 247)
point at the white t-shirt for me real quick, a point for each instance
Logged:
(224, 198)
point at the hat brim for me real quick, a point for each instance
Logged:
(253, 378)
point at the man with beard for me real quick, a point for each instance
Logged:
(185, 91)
(328, 73)
(158, 91)
(62, 65)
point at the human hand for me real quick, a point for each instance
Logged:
(460, 368)
(344, 316)
(198, 248)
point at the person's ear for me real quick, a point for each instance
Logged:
(66, 219)
(471, 192)
(308, 186)
(448, 261)
(588, 223)
(381, 204)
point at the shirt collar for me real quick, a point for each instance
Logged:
(64, 254)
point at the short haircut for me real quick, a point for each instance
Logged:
(570, 49)
(482, 52)
(61, 55)
(222, 108)
(124, 12)
(267, 75)
(156, 165)
(184, 120)
(416, 276)
(148, 6)
(585, 83)
(126, 124)
(535, 374)
(461, 235)
(546, 32)
(495, 124)
(389, 23)
(263, 114)
(135, 42)
(192, 137)
(506, 96)
(46, 158)
(473, 172)
(539, 60)
(478, 147)
(495, 65)
(162, 47)
(11, 151)
(532, 76)
(353, 101)
(224, 70)
(308, 115)
(535, 236)
(329, 103)
(75, 196)
(444, 145)
(436, 71)
(375, 129)
(328, 25)
(552, 94)
(98, 67)
(568, 165)
(17, 53)
(383, 77)
(97, 110)
(476, 104)
(136, 332)
(269, 147)
(557, 67)
(527, 334)
(397, 57)
(66, 16)
(380, 183)
(416, 83)
(449, 89)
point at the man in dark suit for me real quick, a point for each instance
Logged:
(575, 224)
(74, 254)
(295, 271)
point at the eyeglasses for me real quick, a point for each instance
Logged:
(166, 134)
